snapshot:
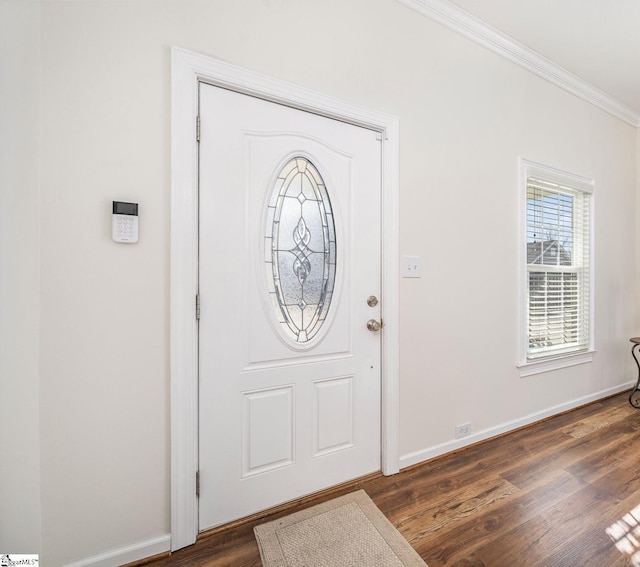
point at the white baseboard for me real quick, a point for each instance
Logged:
(154, 546)
(449, 446)
(133, 552)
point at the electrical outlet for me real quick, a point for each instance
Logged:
(463, 430)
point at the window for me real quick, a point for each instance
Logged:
(300, 250)
(558, 283)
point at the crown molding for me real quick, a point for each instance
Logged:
(478, 31)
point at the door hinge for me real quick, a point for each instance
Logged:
(198, 306)
(197, 128)
(197, 484)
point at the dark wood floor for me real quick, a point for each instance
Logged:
(543, 496)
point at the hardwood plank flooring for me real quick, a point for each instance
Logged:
(543, 496)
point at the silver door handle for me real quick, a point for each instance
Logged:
(374, 325)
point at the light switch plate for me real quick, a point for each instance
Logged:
(411, 266)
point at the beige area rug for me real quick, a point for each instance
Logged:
(348, 531)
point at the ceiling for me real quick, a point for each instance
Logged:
(596, 40)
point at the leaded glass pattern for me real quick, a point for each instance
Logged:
(300, 250)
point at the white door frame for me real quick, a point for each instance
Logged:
(187, 70)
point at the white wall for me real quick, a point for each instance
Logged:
(637, 272)
(104, 318)
(465, 117)
(19, 277)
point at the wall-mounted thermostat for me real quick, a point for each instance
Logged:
(124, 222)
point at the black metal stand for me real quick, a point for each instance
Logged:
(634, 396)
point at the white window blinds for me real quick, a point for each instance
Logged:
(558, 254)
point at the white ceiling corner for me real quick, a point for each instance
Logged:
(482, 32)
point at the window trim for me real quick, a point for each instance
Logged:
(526, 367)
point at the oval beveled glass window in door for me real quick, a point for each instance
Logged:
(300, 250)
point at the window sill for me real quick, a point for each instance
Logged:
(549, 364)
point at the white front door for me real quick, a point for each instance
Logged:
(289, 236)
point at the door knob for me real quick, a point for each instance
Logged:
(374, 325)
